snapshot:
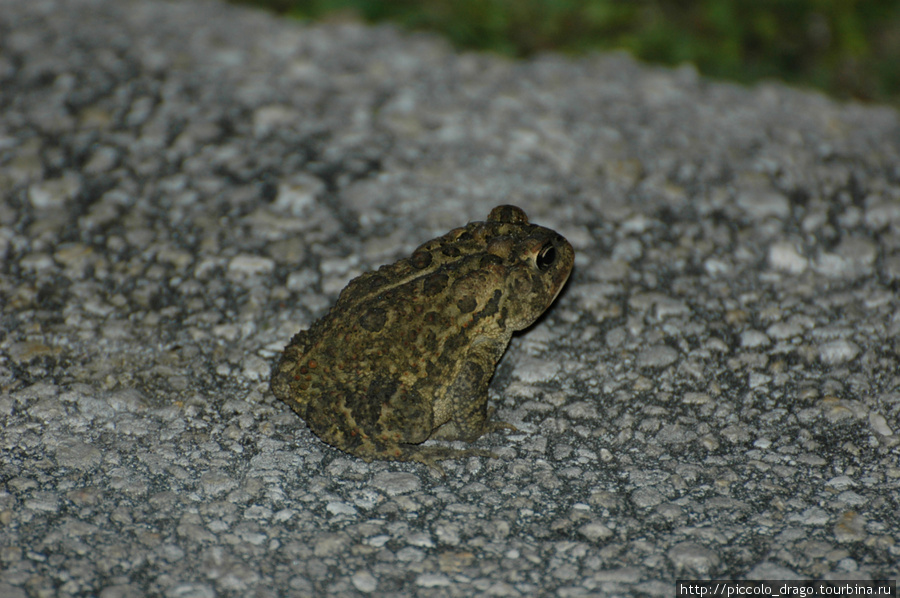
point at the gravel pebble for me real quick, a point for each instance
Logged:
(693, 558)
(657, 356)
(838, 351)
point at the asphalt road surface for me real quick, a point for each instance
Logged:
(185, 185)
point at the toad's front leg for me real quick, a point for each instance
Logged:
(467, 396)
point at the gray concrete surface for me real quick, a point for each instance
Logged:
(186, 184)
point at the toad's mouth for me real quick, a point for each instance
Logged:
(564, 260)
(560, 283)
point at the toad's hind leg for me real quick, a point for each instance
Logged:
(405, 421)
(387, 447)
(384, 420)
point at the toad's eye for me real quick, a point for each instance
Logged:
(546, 257)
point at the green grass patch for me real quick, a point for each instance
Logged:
(848, 48)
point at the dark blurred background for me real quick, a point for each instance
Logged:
(847, 48)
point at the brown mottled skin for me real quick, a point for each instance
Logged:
(407, 352)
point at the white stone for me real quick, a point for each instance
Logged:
(693, 557)
(838, 351)
(879, 424)
(433, 580)
(595, 531)
(785, 256)
(394, 483)
(245, 266)
(752, 339)
(657, 356)
(364, 581)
